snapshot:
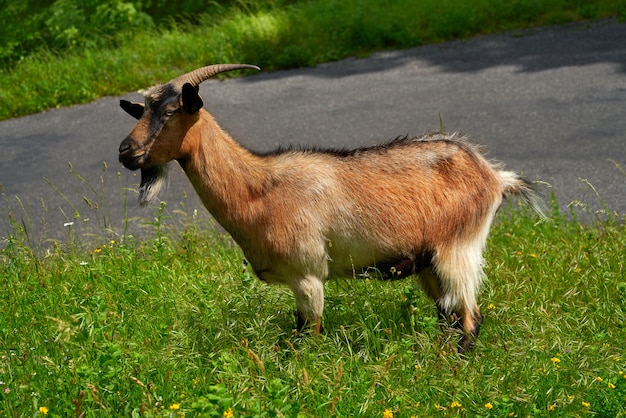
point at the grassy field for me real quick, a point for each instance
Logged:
(176, 325)
(76, 51)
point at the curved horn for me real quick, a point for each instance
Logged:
(201, 74)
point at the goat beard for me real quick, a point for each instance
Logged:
(152, 180)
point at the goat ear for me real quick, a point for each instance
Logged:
(132, 108)
(192, 102)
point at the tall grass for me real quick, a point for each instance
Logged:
(178, 325)
(271, 33)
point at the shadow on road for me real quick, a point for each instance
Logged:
(529, 50)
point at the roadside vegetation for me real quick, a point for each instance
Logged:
(68, 51)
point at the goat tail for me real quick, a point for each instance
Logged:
(516, 185)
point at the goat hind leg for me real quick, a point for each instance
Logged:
(432, 287)
(460, 274)
(471, 321)
(309, 295)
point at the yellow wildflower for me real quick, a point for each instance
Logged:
(611, 385)
(43, 410)
(455, 404)
(599, 379)
(175, 407)
(387, 413)
(585, 404)
(551, 407)
(97, 250)
(488, 405)
(491, 307)
(229, 413)
(555, 360)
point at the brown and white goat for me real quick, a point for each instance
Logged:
(415, 206)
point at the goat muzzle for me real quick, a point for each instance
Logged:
(128, 157)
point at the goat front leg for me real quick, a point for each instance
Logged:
(309, 294)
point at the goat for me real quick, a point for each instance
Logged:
(414, 206)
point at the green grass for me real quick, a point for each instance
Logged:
(273, 34)
(177, 325)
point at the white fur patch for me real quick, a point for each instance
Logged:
(152, 181)
(460, 269)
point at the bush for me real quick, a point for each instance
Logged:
(77, 24)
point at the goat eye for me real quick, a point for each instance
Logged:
(170, 113)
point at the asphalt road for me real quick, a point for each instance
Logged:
(550, 103)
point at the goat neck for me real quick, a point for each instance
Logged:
(230, 180)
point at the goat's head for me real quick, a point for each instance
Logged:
(163, 121)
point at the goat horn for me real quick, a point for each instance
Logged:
(201, 74)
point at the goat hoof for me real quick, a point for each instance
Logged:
(466, 344)
(303, 323)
